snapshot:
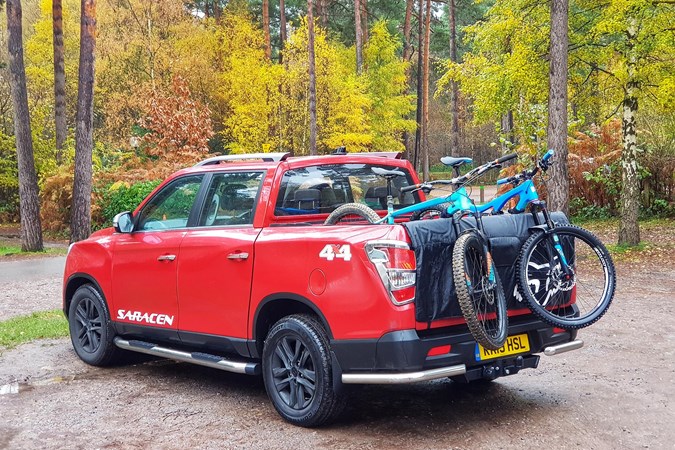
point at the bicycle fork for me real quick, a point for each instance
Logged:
(540, 206)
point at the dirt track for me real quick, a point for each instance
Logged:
(616, 392)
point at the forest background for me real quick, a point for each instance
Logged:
(178, 80)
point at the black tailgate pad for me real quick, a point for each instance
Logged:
(433, 241)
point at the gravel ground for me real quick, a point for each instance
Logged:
(18, 298)
(617, 392)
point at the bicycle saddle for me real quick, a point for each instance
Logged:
(387, 174)
(455, 162)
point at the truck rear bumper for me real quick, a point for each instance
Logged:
(408, 356)
(404, 377)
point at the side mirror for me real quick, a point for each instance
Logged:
(123, 222)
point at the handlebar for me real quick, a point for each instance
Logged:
(544, 163)
(503, 159)
(412, 187)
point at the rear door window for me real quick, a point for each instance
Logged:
(231, 199)
(321, 189)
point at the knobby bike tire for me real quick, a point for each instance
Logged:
(352, 209)
(482, 302)
(549, 292)
(436, 212)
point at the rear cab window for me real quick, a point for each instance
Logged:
(321, 189)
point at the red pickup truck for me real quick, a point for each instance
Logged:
(227, 265)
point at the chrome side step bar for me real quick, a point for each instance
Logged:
(562, 348)
(402, 378)
(202, 359)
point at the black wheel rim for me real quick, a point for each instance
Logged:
(293, 373)
(88, 325)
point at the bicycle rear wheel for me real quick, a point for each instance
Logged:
(435, 212)
(479, 291)
(351, 212)
(573, 300)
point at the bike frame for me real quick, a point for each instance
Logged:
(526, 191)
(459, 199)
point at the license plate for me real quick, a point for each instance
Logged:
(513, 345)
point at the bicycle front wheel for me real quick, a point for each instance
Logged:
(572, 298)
(479, 291)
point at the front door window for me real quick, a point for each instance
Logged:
(170, 208)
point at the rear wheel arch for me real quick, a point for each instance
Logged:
(274, 307)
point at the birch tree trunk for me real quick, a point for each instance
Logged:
(59, 80)
(629, 230)
(312, 79)
(558, 185)
(80, 214)
(29, 203)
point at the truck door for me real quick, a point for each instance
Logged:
(216, 259)
(145, 260)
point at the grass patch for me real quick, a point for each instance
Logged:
(625, 249)
(9, 250)
(39, 325)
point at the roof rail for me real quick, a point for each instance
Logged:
(392, 155)
(267, 157)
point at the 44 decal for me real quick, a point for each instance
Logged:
(333, 251)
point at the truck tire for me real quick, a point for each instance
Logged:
(90, 329)
(298, 373)
(352, 209)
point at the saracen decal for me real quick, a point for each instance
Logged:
(137, 316)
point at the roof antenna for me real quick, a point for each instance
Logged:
(340, 151)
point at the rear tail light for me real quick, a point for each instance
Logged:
(395, 263)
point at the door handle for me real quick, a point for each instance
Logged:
(238, 256)
(166, 258)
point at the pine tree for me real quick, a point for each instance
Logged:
(558, 184)
(312, 78)
(31, 230)
(80, 214)
(59, 80)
